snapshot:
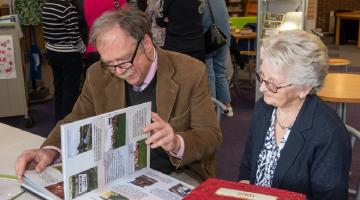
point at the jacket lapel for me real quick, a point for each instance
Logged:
(166, 89)
(114, 96)
(261, 127)
(296, 140)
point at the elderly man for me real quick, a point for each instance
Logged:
(184, 133)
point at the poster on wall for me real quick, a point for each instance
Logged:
(7, 58)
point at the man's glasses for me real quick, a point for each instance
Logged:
(123, 65)
(270, 86)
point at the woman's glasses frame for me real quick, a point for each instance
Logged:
(270, 86)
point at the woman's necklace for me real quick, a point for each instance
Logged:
(283, 126)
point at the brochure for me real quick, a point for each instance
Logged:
(105, 157)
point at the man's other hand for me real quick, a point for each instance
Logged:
(162, 135)
(41, 158)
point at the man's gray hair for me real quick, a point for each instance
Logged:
(300, 56)
(131, 20)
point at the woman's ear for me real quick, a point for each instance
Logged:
(305, 91)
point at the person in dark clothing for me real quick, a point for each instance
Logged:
(64, 46)
(184, 30)
(296, 141)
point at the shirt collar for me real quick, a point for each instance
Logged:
(150, 75)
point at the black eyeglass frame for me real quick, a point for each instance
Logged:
(130, 62)
(268, 84)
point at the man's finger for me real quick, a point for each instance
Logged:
(155, 117)
(43, 163)
(152, 127)
(155, 137)
(22, 161)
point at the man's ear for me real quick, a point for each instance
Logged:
(148, 44)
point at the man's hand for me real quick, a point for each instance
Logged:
(40, 157)
(162, 134)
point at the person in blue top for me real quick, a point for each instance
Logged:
(216, 61)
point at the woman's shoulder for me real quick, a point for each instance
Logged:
(327, 120)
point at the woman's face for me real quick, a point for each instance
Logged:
(286, 95)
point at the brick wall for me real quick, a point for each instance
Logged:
(325, 6)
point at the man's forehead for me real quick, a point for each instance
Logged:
(115, 45)
(115, 34)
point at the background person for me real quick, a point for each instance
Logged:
(217, 60)
(64, 47)
(184, 30)
(296, 142)
(184, 132)
(92, 10)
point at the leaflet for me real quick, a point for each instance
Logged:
(105, 157)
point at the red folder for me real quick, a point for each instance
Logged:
(209, 188)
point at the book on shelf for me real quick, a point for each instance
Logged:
(105, 157)
(216, 189)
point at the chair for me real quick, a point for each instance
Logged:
(251, 63)
(354, 135)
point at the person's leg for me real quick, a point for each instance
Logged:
(229, 65)
(57, 81)
(211, 74)
(70, 87)
(221, 82)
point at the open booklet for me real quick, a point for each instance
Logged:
(105, 157)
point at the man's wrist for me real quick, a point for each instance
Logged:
(177, 145)
(178, 152)
(55, 153)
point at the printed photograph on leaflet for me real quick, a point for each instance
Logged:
(83, 182)
(48, 183)
(180, 189)
(139, 155)
(111, 195)
(81, 142)
(57, 188)
(117, 126)
(143, 181)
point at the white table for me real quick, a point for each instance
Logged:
(13, 141)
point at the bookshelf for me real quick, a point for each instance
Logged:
(235, 7)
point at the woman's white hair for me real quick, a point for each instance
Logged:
(300, 56)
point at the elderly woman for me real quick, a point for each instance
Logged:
(296, 142)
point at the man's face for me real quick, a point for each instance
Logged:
(123, 55)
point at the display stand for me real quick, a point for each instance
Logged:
(13, 101)
(271, 15)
